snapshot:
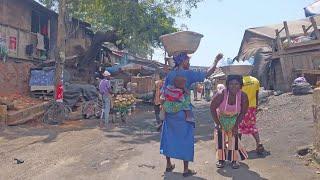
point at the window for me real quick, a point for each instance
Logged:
(39, 23)
(35, 22)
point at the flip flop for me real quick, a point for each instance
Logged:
(189, 173)
(260, 149)
(171, 168)
(220, 164)
(235, 165)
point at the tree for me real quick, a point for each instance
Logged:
(138, 23)
(61, 43)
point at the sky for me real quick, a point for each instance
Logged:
(223, 23)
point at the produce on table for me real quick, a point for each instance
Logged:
(123, 102)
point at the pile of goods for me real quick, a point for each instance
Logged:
(301, 88)
(123, 102)
(236, 68)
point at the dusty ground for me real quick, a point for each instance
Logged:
(81, 150)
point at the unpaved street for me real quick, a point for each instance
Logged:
(81, 150)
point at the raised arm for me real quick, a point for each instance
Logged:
(214, 66)
(195, 76)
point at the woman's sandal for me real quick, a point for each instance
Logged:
(260, 149)
(171, 168)
(189, 173)
(235, 165)
(220, 164)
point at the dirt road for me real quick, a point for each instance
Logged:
(81, 150)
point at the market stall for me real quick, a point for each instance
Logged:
(122, 106)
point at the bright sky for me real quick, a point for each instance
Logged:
(223, 22)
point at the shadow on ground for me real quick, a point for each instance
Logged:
(238, 174)
(177, 176)
(253, 155)
(141, 127)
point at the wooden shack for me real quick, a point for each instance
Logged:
(28, 35)
(284, 51)
(297, 57)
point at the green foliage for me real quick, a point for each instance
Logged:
(138, 23)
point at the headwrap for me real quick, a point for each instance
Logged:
(106, 73)
(178, 59)
(220, 87)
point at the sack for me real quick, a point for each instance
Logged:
(301, 88)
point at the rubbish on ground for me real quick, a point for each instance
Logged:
(278, 93)
(126, 149)
(105, 162)
(303, 151)
(147, 166)
(18, 161)
(301, 88)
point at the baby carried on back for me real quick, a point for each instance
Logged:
(177, 98)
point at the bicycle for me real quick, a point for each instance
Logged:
(56, 113)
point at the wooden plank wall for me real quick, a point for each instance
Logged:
(289, 63)
(316, 61)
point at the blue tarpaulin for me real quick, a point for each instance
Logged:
(113, 69)
(42, 77)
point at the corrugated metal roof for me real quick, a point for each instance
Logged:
(295, 28)
(262, 38)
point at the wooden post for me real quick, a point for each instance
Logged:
(279, 44)
(315, 27)
(61, 43)
(316, 116)
(287, 32)
(305, 31)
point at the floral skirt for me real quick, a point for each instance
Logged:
(248, 124)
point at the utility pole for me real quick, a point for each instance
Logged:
(60, 51)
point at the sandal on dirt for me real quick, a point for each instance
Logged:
(260, 149)
(235, 165)
(220, 164)
(171, 168)
(189, 173)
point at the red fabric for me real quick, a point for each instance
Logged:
(44, 30)
(173, 94)
(59, 90)
(248, 124)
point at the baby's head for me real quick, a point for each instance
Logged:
(180, 82)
